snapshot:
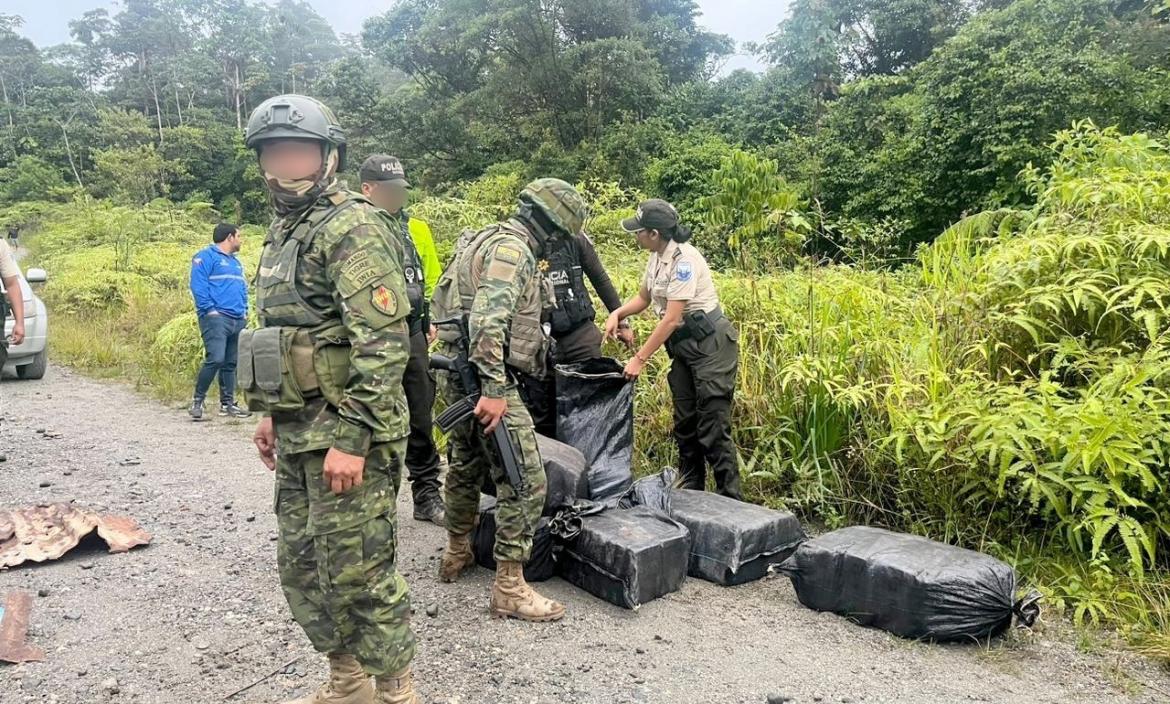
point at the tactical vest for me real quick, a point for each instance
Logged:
(299, 351)
(527, 344)
(574, 306)
(416, 279)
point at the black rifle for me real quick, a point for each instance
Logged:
(466, 376)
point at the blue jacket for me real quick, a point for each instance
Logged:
(218, 283)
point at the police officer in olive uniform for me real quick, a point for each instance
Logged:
(384, 183)
(572, 321)
(701, 341)
(495, 282)
(325, 369)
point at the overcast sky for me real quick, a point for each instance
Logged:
(47, 22)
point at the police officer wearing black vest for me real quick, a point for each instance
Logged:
(572, 321)
(380, 174)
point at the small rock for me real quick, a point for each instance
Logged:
(250, 519)
(43, 592)
(200, 644)
(433, 610)
(67, 473)
(3, 458)
(45, 483)
(82, 673)
(72, 615)
(227, 507)
(639, 651)
(110, 686)
(87, 565)
(779, 699)
(130, 462)
(40, 431)
(31, 682)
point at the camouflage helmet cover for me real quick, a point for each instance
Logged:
(559, 201)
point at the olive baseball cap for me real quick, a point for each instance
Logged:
(653, 214)
(383, 167)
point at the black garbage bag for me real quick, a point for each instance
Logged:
(733, 542)
(907, 585)
(595, 414)
(627, 556)
(653, 491)
(566, 473)
(541, 565)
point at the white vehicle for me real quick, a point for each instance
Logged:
(29, 359)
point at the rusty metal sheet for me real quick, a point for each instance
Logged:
(48, 531)
(14, 629)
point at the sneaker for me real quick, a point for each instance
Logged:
(234, 411)
(196, 410)
(430, 508)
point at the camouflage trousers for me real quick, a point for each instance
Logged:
(472, 456)
(336, 556)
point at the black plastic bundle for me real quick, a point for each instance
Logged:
(907, 585)
(627, 556)
(566, 472)
(542, 564)
(595, 414)
(733, 542)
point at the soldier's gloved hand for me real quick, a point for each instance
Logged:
(490, 411)
(343, 471)
(265, 440)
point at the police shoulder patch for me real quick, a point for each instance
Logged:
(684, 271)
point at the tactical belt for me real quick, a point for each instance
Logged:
(697, 325)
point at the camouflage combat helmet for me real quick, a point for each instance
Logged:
(293, 116)
(559, 201)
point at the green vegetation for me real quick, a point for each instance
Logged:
(953, 307)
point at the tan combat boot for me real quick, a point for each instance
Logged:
(457, 558)
(513, 598)
(348, 684)
(398, 689)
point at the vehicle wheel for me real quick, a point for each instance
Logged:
(36, 368)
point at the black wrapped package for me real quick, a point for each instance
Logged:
(907, 585)
(595, 414)
(653, 491)
(627, 556)
(733, 542)
(566, 473)
(541, 565)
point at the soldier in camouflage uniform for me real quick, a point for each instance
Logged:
(325, 368)
(494, 280)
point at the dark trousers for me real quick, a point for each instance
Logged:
(702, 382)
(221, 337)
(540, 395)
(422, 459)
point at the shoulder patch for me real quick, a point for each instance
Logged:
(684, 271)
(197, 260)
(508, 253)
(359, 270)
(384, 300)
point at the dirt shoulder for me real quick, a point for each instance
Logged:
(199, 613)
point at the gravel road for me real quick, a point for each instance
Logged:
(199, 614)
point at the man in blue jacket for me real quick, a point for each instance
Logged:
(221, 300)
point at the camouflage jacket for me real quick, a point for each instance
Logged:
(348, 279)
(494, 279)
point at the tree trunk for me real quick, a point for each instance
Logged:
(69, 152)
